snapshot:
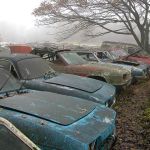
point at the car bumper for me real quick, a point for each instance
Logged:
(125, 85)
(141, 75)
(108, 143)
(111, 102)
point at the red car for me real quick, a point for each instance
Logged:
(134, 56)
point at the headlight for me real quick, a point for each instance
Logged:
(92, 145)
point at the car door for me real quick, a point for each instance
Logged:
(12, 138)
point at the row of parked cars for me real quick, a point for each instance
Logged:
(63, 100)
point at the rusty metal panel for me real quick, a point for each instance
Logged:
(20, 49)
(50, 106)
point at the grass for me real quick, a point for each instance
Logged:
(145, 123)
(146, 114)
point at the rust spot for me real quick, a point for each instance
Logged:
(83, 111)
(23, 116)
(77, 132)
(42, 122)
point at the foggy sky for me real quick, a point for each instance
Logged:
(18, 25)
(10, 32)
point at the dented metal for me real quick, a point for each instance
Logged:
(139, 71)
(18, 134)
(42, 77)
(115, 75)
(54, 121)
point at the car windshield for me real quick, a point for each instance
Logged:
(72, 58)
(33, 68)
(138, 52)
(118, 53)
(8, 82)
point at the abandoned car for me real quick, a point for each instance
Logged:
(13, 139)
(54, 121)
(35, 73)
(121, 54)
(138, 70)
(66, 61)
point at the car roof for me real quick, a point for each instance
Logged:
(17, 57)
(83, 51)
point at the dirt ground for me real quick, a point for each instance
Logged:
(133, 117)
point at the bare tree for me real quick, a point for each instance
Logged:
(130, 17)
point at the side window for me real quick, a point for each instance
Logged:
(92, 57)
(13, 71)
(12, 139)
(11, 84)
(57, 60)
(101, 55)
(5, 64)
(8, 141)
(87, 56)
(83, 55)
(109, 56)
(9, 67)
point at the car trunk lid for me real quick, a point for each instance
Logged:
(76, 82)
(53, 107)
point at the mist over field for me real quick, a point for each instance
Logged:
(10, 32)
(18, 25)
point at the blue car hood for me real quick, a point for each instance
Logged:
(97, 125)
(53, 107)
(76, 82)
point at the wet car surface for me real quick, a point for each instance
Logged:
(54, 121)
(42, 77)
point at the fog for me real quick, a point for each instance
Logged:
(10, 32)
(17, 24)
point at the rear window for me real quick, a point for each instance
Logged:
(8, 82)
(33, 68)
(3, 78)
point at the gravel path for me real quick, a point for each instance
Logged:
(130, 106)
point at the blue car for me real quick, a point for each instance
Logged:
(35, 73)
(54, 121)
(13, 139)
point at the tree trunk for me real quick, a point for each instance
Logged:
(146, 42)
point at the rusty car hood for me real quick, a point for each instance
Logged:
(106, 67)
(76, 82)
(53, 107)
(143, 59)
